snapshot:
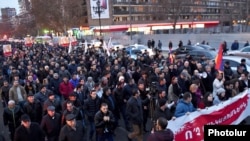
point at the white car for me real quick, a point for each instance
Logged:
(243, 52)
(235, 62)
(115, 45)
(142, 48)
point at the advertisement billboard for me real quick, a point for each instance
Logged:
(104, 8)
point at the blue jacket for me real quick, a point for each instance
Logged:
(183, 107)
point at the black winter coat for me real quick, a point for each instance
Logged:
(35, 133)
(68, 134)
(51, 125)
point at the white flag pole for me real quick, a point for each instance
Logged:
(85, 47)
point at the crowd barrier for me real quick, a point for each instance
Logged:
(231, 112)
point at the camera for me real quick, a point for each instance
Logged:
(152, 89)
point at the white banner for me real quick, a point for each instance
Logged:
(7, 50)
(231, 112)
(104, 8)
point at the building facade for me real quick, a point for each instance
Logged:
(25, 6)
(163, 14)
(8, 13)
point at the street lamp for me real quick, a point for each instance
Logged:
(98, 10)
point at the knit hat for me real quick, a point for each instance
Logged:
(220, 90)
(121, 77)
(25, 118)
(50, 94)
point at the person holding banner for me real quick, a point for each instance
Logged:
(184, 106)
(162, 133)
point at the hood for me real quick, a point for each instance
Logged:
(166, 135)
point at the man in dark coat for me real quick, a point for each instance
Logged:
(51, 124)
(162, 110)
(104, 123)
(92, 105)
(11, 117)
(135, 115)
(72, 131)
(28, 131)
(33, 108)
(161, 133)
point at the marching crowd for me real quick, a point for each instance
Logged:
(50, 94)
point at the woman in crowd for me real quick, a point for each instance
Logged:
(174, 90)
(207, 101)
(235, 90)
(220, 96)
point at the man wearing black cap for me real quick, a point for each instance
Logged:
(51, 124)
(33, 108)
(52, 101)
(28, 131)
(72, 131)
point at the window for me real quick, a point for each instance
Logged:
(232, 63)
(246, 50)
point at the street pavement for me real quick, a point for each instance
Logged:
(120, 132)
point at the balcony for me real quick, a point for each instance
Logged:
(116, 3)
(132, 12)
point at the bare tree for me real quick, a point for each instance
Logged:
(58, 15)
(174, 9)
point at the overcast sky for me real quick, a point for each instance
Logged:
(9, 3)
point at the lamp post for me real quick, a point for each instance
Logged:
(130, 21)
(98, 10)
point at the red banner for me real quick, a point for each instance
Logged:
(191, 127)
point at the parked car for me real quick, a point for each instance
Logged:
(199, 54)
(115, 45)
(235, 62)
(243, 52)
(142, 48)
(186, 49)
(207, 47)
(133, 52)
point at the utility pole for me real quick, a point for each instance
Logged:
(130, 21)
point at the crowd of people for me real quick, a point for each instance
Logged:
(49, 93)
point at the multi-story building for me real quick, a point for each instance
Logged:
(150, 15)
(8, 13)
(25, 6)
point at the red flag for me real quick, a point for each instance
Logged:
(171, 56)
(218, 60)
